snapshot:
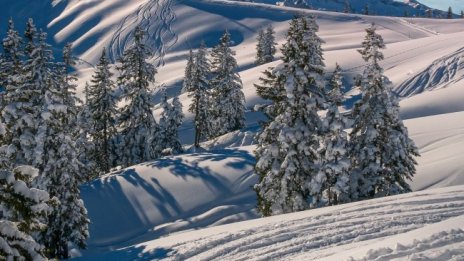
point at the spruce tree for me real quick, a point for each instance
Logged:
(22, 210)
(189, 73)
(60, 171)
(366, 9)
(139, 130)
(11, 66)
(269, 44)
(227, 95)
(200, 96)
(102, 109)
(382, 153)
(265, 48)
(259, 48)
(176, 118)
(336, 161)
(462, 14)
(287, 152)
(84, 145)
(449, 15)
(163, 122)
(21, 116)
(170, 122)
(31, 36)
(347, 8)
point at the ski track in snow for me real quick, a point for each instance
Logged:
(156, 17)
(364, 222)
(443, 246)
(442, 73)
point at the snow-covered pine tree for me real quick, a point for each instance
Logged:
(139, 130)
(175, 121)
(382, 153)
(189, 73)
(21, 211)
(269, 45)
(259, 48)
(163, 122)
(228, 106)
(11, 66)
(102, 109)
(287, 152)
(31, 37)
(336, 161)
(84, 146)
(24, 97)
(60, 172)
(170, 122)
(200, 95)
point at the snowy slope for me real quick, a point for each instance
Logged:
(193, 191)
(428, 224)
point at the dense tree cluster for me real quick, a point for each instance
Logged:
(305, 157)
(218, 102)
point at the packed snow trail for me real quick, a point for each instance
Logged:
(154, 16)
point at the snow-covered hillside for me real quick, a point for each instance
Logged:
(175, 194)
(424, 225)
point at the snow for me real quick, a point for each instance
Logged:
(172, 198)
(358, 229)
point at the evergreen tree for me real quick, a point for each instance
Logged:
(382, 153)
(259, 47)
(163, 122)
(175, 121)
(25, 98)
(21, 212)
(265, 48)
(60, 172)
(84, 146)
(200, 95)
(366, 9)
(170, 122)
(449, 15)
(336, 162)
(11, 66)
(139, 130)
(189, 73)
(287, 152)
(269, 49)
(462, 14)
(31, 36)
(347, 8)
(102, 110)
(228, 98)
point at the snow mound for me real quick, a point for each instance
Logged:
(168, 195)
(443, 72)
